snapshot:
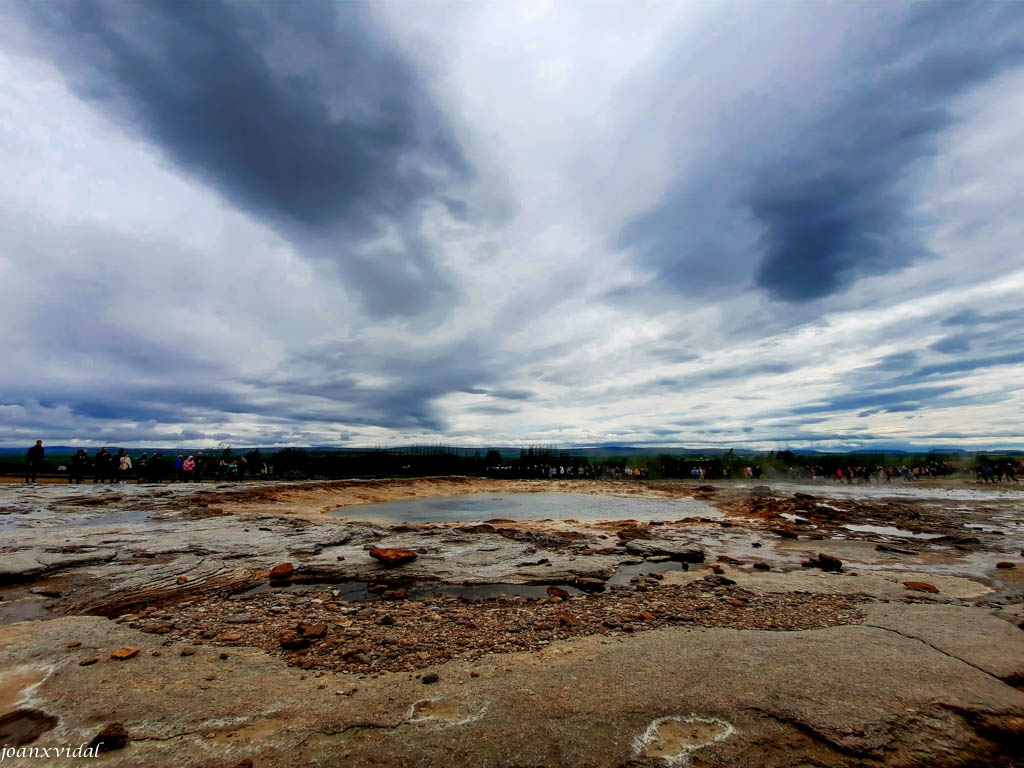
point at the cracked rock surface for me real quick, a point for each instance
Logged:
(701, 641)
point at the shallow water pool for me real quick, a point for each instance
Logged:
(473, 507)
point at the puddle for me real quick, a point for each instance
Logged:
(672, 739)
(888, 530)
(28, 609)
(985, 528)
(444, 711)
(627, 572)
(474, 507)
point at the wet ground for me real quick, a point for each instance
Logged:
(511, 569)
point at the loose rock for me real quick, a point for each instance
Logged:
(393, 556)
(113, 736)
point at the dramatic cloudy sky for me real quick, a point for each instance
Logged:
(750, 224)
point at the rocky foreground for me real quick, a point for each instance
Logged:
(227, 626)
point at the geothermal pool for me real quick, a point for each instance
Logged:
(473, 507)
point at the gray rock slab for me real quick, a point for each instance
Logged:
(973, 635)
(833, 697)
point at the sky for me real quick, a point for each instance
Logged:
(751, 225)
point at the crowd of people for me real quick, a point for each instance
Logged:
(107, 467)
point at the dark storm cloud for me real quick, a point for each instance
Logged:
(893, 400)
(302, 113)
(826, 201)
(967, 365)
(712, 376)
(416, 378)
(952, 344)
(971, 318)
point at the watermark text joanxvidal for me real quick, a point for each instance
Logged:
(20, 752)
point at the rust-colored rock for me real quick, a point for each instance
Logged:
(182, 580)
(920, 586)
(113, 736)
(75, 644)
(123, 654)
(718, 569)
(558, 592)
(1006, 564)
(230, 637)
(399, 593)
(290, 640)
(786, 533)
(567, 620)
(311, 630)
(282, 572)
(392, 556)
(589, 584)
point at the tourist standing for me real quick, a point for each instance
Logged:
(124, 465)
(33, 460)
(78, 464)
(141, 469)
(156, 468)
(179, 465)
(200, 466)
(188, 469)
(104, 466)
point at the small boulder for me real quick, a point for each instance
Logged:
(717, 581)
(290, 640)
(282, 572)
(1006, 564)
(920, 586)
(123, 654)
(762, 567)
(392, 556)
(430, 677)
(590, 584)
(786, 533)
(824, 562)
(113, 736)
(558, 592)
(311, 630)
(89, 662)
